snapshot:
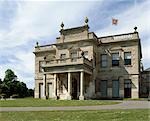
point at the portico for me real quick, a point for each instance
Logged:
(69, 85)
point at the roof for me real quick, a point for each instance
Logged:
(75, 29)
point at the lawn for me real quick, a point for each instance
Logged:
(32, 102)
(103, 115)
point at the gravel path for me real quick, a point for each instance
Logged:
(123, 105)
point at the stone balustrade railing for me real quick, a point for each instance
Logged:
(117, 38)
(67, 61)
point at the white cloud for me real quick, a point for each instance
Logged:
(39, 19)
(34, 21)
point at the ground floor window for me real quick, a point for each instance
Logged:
(103, 88)
(115, 88)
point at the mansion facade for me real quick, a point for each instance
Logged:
(81, 65)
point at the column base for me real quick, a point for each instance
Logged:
(69, 97)
(81, 97)
(135, 94)
(44, 97)
(55, 97)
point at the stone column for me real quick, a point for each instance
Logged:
(135, 87)
(69, 86)
(44, 86)
(81, 97)
(55, 86)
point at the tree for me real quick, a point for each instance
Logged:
(4, 89)
(0, 81)
(10, 86)
(9, 75)
(30, 92)
(22, 89)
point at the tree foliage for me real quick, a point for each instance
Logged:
(9, 75)
(10, 86)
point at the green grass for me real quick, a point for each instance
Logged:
(135, 99)
(103, 115)
(32, 102)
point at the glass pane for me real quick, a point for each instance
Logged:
(127, 83)
(104, 63)
(115, 56)
(127, 61)
(115, 62)
(104, 57)
(127, 55)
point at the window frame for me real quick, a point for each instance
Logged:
(115, 62)
(104, 61)
(73, 59)
(127, 61)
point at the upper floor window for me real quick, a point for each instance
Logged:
(115, 59)
(40, 66)
(127, 58)
(103, 60)
(63, 57)
(73, 56)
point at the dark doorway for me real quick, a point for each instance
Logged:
(74, 88)
(127, 88)
(41, 93)
(103, 88)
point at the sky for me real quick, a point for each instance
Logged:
(23, 23)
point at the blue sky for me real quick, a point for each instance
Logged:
(22, 23)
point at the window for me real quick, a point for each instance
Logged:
(127, 58)
(103, 60)
(115, 59)
(40, 66)
(74, 56)
(62, 57)
(127, 83)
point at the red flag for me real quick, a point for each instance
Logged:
(114, 21)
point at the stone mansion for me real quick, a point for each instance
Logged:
(81, 65)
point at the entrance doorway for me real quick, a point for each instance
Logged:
(115, 88)
(74, 88)
(103, 88)
(50, 90)
(127, 88)
(41, 90)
